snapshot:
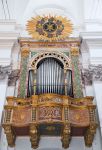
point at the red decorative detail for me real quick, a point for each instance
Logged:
(50, 113)
(21, 116)
(79, 117)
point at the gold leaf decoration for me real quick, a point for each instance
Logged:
(49, 28)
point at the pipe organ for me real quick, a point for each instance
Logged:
(50, 98)
(50, 78)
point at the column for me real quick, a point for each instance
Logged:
(76, 74)
(22, 89)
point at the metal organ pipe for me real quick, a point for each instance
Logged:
(31, 83)
(50, 78)
(53, 83)
(69, 83)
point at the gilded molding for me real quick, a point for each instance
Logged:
(40, 44)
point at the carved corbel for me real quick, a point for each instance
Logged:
(34, 137)
(66, 136)
(9, 135)
(89, 135)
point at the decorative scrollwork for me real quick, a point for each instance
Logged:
(50, 113)
(38, 57)
(51, 99)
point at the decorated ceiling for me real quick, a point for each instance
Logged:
(84, 14)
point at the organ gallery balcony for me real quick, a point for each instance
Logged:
(51, 115)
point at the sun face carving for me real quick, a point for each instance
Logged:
(49, 28)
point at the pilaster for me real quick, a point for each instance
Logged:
(76, 74)
(24, 72)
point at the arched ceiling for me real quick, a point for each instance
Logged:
(80, 12)
(25, 9)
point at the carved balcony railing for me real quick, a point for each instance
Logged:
(49, 114)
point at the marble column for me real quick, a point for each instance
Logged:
(76, 72)
(22, 89)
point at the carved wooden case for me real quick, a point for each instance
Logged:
(49, 114)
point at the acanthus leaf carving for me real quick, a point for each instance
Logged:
(4, 71)
(93, 73)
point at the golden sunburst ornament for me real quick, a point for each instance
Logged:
(49, 28)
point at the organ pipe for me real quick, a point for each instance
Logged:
(31, 83)
(50, 78)
(69, 83)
